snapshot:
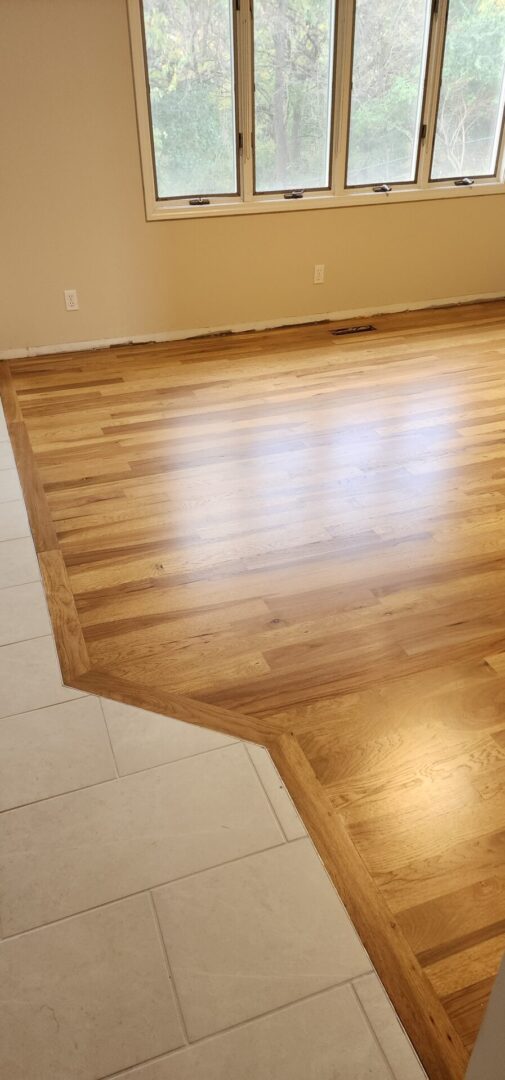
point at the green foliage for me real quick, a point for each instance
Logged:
(192, 95)
(471, 90)
(388, 86)
(192, 91)
(293, 76)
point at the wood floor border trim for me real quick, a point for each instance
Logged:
(177, 706)
(70, 643)
(435, 1039)
(438, 1044)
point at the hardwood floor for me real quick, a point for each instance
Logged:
(300, 539)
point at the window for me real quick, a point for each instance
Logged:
(293, 81)
(190, 72)
(470, 109)
(271, 105)
(388, 74)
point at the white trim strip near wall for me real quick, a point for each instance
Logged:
(239, 328)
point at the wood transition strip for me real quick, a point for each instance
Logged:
(70, 643)
(424, 1018)
(184, 708)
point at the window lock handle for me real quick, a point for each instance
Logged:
(297, 194)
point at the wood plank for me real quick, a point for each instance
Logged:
(181, 708)
(70, 643)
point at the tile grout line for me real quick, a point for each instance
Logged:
(372, 1029)
(10, 539)
(50, 705)
(277, 1009)
(20, 641)
(104, 718)
(131, 1069)
(244, 1024)
(173, 761)
(109, 779)
(17, 584)
(147, 888)
(172, 981)
(60, 794)
(277, 818)
(404, 1032)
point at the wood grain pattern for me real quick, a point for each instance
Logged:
(70, 643)
(415, 1000)
(192, 712)
(300, 540)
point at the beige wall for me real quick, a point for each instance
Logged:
(72, 212)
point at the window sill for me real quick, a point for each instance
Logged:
(158, 210)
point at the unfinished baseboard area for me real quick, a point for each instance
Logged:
(26, 351)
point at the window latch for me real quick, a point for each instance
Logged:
(382, 188)
(464, 181)
(297, 194)
(200, 201)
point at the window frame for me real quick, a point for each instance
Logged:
(327, 188)
(247, 201)
(499, 134)
(428, 45)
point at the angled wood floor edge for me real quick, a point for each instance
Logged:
(238, 387)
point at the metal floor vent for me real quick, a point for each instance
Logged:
(363, 328)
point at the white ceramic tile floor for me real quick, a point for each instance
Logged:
(164, 915)
(289, 818)
(143, 739)
(268, 903)
(53, 751)
(6, 455)
(18, 561)
(85, 994)
(382, 1017)
(30, 676)
(326, 1037)
(13, 521)
(10, 488)
(115, 839)
(23, 613)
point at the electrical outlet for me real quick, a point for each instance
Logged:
(319, 274)
(71, 300)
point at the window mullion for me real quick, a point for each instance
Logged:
(342, 100)
(433, 79)
(500, 140)
(500, 168)
(245, 96)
